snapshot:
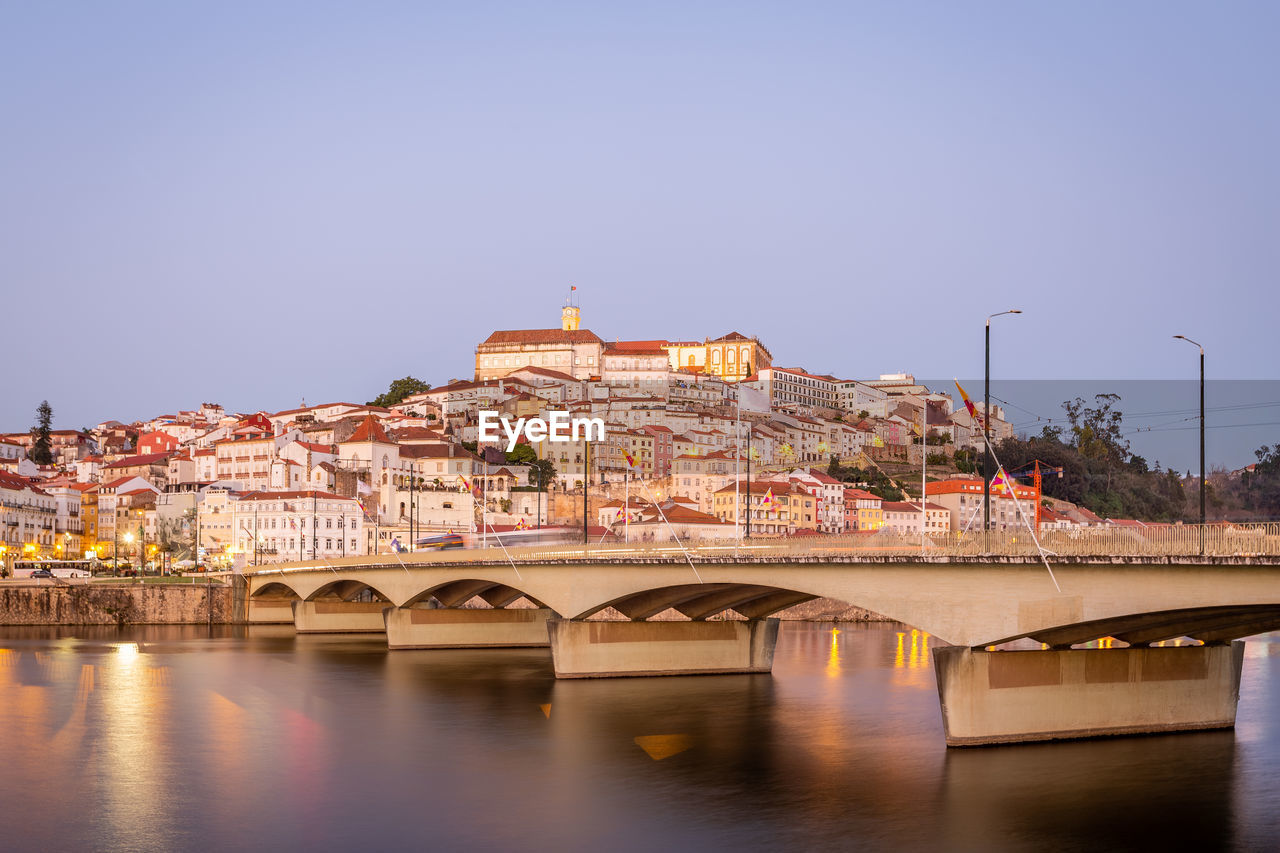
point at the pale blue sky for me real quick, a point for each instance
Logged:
(256, 202)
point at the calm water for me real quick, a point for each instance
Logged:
(181, 739)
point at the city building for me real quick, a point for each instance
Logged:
(962, 498)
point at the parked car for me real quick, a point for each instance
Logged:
(42, 573)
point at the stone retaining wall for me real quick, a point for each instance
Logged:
(115, 604)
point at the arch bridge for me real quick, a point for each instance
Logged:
(614, 610)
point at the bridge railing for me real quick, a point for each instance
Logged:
(1185, 540)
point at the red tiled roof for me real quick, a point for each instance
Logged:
(278, 496)
(543, 336)
(133, 461)
(369, 430)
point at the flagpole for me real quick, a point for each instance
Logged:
(1014, 494)
(626, 506)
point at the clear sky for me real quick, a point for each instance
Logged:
(253, 203)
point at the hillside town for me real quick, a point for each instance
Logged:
(704, 440)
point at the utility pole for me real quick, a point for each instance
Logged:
(1202, 480)
(748, 534)
(986, 434)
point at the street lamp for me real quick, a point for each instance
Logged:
(986, 431)
(1188, 340)
(128, 540)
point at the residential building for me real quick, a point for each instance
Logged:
(962, 498)
(27, 519)
(271, 527)
(863, 510)
(905, 517)
(770, 509)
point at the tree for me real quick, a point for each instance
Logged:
(42, 448)
(542, 473)
(399, 390)
(522, 455)
(1095, 430)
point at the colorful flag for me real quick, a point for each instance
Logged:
(768, 496)
(968, 404)
(1000, 480)
(572, 287)
(618, 517)
(522, 525)
(631, 460)
(466, 484)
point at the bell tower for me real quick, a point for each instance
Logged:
(570, 314)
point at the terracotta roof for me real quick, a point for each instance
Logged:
(546, 371)
(674, 512)
(543, 336)
(369, 430)
(13, 481)
(435, 451)
(132, 461)
(279, 496)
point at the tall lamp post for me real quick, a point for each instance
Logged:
(1202, 484)
(986, 432)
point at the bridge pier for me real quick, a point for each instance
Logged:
(268, 611)
(466, 628)
(1017, 696)
(339, 617)
(607, 649)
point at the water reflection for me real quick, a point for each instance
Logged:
(252, 737)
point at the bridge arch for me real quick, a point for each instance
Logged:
(1217, 625)
(275, 589)
(456, 592)
(348, 589)
(699, 601)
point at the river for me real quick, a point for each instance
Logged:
(180, 738)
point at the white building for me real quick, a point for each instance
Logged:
(293, 526)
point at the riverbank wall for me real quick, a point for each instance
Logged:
(116, 604)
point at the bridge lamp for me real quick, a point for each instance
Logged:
(986, 428)
(1195, 344)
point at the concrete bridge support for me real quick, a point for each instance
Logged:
(465, 628)
(268, 611)
(1019, 696)
(607, 649)
(339, 617)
